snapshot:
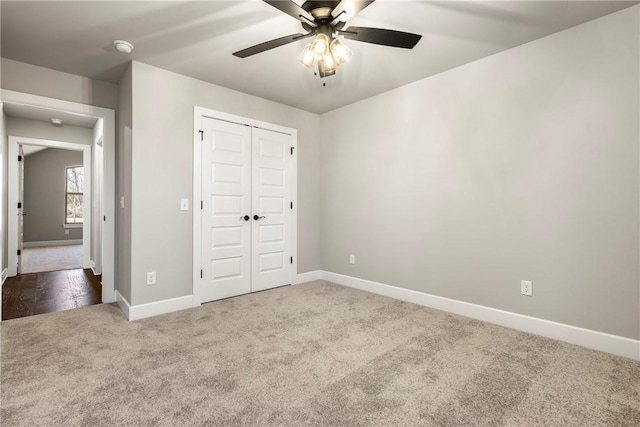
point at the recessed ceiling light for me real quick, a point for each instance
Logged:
(56, 122)
(123, 46)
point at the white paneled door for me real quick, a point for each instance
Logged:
(271, 203)
(246, 215)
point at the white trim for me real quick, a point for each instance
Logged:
(309, 276)
(47, 243)
(78, 225)
(93, 269)
(294, 199)
(13, 195)
(123, 303)
(614, 344)
(109, 168)
(219, 115)
(197, 214)
(198, 114)
(142, 311)
(3, 276)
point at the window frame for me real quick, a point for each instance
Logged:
(68, 224)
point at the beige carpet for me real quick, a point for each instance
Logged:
(51, 258)
(313, 354)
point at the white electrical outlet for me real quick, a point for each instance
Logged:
(352, 259)
(184, 204)
(151, 278)
(526, 287)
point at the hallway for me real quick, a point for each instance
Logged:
(51, 258)
(39, 293)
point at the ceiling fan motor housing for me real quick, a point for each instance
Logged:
(321, 11)
(320, 8)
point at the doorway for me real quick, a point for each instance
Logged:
(104, 215)
(16, 166)
(245, 231)
(51, 192)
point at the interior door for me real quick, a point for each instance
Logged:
(271, 228)
(226, 210)
(21, 213)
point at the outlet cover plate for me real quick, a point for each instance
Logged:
(151, 278)
(526, 287)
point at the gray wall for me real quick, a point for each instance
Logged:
(44, 193)
(123, 155)
(162, 158)
(27, 78)
(523, 165)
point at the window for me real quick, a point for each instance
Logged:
(73, 194)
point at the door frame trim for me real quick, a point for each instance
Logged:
(198, 114)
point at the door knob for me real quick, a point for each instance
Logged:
(246, 217)
(256, 217)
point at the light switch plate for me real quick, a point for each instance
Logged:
(184, 204)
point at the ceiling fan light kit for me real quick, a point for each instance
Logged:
(340, 51)
(320, 45)
(307, 57)
(325, 55)
(325, 19)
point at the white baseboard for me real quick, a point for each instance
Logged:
(45, 243)
(3, 276)
(614, 344)
(308, 277)
(123, 304)
(93, 269)
(141, 311)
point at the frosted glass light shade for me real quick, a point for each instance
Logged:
(328, 63)
(320, 45)
(307, 57)
(340, 51)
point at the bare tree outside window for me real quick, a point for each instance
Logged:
(74, 194)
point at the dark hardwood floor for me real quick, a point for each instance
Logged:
(38, 293)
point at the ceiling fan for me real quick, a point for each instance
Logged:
(326, 20)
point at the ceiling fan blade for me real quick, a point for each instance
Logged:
(292, 9)
(383, 37)
(271, 44)
(349, 8)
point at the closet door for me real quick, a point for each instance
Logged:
(271, 198)
(226, 210)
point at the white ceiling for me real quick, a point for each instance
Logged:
(28, 150)
(45, 115)
(197, 39)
